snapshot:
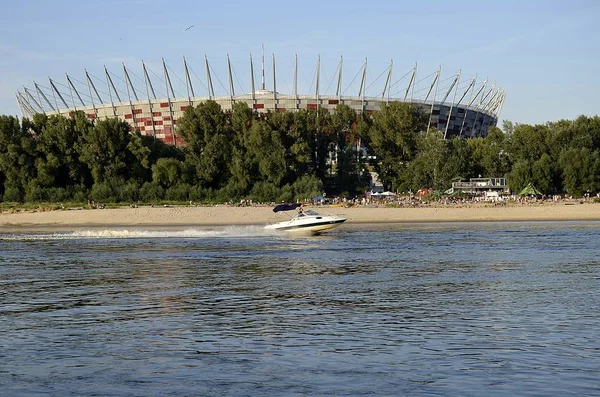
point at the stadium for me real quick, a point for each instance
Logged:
(151, 99)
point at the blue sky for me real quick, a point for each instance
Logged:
(543, 53)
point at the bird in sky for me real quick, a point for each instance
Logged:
(188, 28)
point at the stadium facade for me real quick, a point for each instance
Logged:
(456, 108)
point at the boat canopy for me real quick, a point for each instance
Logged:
(286, 207)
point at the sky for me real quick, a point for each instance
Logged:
(544, 54)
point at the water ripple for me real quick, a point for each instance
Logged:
(469, 310)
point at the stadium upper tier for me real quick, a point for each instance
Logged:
(151, 103)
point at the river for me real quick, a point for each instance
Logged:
(455, 309)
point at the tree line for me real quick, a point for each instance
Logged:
(283, 156)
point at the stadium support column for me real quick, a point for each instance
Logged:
(471, 87)
(410, 82)
(262, 85)
(188, 82)
(231, 88)
(127, 84)
(487, 108)
(168, 84)
(149, 85)
(386, 87)
(58, 93)
(37, 104)
(435, 82)
(40, 92)
(252, 88)
(479, 106)
(26, 105)
(90, 86)
(362, 89)
(274, 85)
(34, 101)
(495, 105)
(457, 81)
(296, 82)
(71, 88)
(318, 77)
(211, 91)
(501, 104)
(474, 129)
(445, 98)
(338, 91)
(110, 83)
(21, 107)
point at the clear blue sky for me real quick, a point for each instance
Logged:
(543, 53)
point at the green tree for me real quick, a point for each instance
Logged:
(17, 157)
(58, 161)
(392, 140)
(491, 155)
(104, 149)
(167, 172)
(266, 150)
(199, 124)
(581, 170)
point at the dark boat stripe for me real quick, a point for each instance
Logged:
(311, 225)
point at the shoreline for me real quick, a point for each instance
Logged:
(222, 215)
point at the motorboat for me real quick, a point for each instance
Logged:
(305, 221)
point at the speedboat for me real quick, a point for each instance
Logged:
(305, 221)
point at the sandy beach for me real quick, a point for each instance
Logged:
(223, 215)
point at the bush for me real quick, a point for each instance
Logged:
(264, 192)
(79, 194)
(102, 192)
(58, 194)
(286, 194)
(34, 192)
(198, 193)
(151, 192)
(12, 194)
(130, 192)
(307, 187)
(179, 192)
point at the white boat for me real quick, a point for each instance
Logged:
(308, 221)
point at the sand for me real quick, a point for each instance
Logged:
(174, 216)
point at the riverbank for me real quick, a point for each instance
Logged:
(223, 215)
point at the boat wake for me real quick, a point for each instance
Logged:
(226, 232)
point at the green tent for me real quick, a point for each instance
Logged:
(530, 190)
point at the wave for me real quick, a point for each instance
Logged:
(227, 232)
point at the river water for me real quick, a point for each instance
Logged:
(426, 309)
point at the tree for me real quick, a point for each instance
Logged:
(167, 172)
(200, 124)
(491, 154)
(58, 161)
(580, 170)
(267, 152)
(104, 149)
(17, 157)
(392, 140)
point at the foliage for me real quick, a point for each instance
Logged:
(241, 154)
(392, 139)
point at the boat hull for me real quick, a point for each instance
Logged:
(307, 226)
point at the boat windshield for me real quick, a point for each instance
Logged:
(310, 212)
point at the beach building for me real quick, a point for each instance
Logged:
(488, 188)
